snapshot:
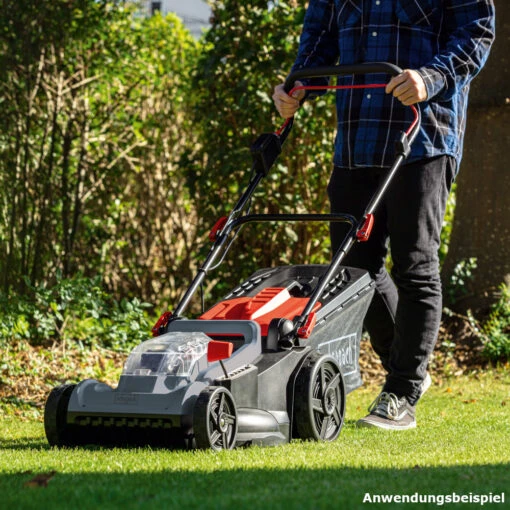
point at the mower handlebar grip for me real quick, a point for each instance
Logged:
(341, 70)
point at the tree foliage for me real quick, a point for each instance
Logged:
(94, 121)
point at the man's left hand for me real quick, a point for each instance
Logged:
(408, 87)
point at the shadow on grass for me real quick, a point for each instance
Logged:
(331, 488)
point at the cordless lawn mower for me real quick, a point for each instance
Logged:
(270, 362)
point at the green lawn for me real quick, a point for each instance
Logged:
(461, 445)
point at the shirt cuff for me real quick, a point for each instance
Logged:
(435, 82)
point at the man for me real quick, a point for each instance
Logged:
(442, 45)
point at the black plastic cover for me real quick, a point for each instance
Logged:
(264, 152)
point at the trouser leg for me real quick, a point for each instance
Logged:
(403, 320)
(415, 205)
(350, 191)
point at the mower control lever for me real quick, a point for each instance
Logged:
(342, 70)
(403, 145)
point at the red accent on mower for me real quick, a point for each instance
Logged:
(217, 228)
(306, 329)
(161, 323)
(363, 234)
(262, 308)
(217, 350)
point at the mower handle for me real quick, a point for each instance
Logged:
(267, 148)
(340, 70)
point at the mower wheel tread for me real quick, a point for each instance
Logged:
(55, 415)
(215, 419)
(319, 399)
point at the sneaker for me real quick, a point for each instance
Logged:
(389, 412)
(425, 385)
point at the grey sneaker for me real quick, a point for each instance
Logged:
(389, 412)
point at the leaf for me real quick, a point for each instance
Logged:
(40, 480)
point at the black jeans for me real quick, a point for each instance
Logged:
(404, 316)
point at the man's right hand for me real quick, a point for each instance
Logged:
(287, 105)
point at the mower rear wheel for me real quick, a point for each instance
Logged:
(319, 399)
(215, 419)
(55, 415)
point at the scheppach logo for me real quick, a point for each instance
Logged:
(343, 350)
(127, 399)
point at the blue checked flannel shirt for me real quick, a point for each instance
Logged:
(446, 41)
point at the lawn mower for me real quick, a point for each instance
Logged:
(272, 361)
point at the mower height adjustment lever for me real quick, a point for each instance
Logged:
(160, 327)
(217, 228)
(365, 230)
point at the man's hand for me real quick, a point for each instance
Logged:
(408, 87)
(285, 104)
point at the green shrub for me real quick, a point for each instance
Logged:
(492, 330)
(74, 310)
(447, 224)
(94, 120)
(458, 285)
(496, 329)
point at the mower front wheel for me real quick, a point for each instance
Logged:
(215, 419)
(319, 399)
(55, 415)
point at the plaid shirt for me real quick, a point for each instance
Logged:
(446, 41)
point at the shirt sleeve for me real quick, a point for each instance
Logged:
(318, 45)
(470, 31)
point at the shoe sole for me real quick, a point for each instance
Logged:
(368, 424)
(426, 384)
